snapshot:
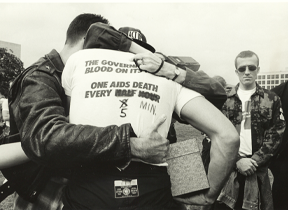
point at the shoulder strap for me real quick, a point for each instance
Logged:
(5, 190)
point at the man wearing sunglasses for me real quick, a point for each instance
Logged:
(257, 115)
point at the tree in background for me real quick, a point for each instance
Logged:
(10, 67)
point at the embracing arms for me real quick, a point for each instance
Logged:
(198, 81)
(106, 37)
(49, 139)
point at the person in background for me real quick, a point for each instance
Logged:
(279, 164)
(257, 115)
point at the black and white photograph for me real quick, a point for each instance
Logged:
(143, 105)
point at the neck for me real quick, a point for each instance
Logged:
(247, 87)
(68, 50)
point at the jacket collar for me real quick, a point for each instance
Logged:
(259, 91)
(55, 60)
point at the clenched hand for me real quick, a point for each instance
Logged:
(246, 166)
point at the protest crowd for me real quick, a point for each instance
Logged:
(93, 127)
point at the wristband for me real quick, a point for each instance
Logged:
(162, 62)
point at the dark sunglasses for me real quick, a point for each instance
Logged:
(250, 67)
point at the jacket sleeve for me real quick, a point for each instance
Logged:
(200, 82)
(47, 137)
(272, 136)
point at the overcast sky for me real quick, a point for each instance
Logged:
(213, 32)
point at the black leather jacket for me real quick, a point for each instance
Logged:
(37, 102)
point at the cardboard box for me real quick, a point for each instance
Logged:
(182, 61)
(185, 168)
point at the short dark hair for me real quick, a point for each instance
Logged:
(79, 26)
(246, 54)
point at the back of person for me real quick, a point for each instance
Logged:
(107, 85)
(102, 86)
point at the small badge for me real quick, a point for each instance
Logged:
(126, 188)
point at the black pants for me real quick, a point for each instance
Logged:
(279, 168)
(96, 190)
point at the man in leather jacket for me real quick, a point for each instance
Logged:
(37, 102)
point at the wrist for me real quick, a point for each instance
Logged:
(167, 71)
(181, 77)
(160, 67)
(177, 73)
(136, 148)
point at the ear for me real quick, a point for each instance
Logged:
(258, 69)
(81, 43)
(236, 72)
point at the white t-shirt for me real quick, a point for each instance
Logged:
(106, 88)
(245, 130)
(5, 108)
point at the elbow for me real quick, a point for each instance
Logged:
(209, 201)
(33, 150)
(231, 140)
(234, 139)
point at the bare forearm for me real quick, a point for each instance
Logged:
(223, 156)
(11, 155)
(224, 143)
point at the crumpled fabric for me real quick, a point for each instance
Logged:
(257, 191)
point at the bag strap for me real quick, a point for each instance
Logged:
(5, 190)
